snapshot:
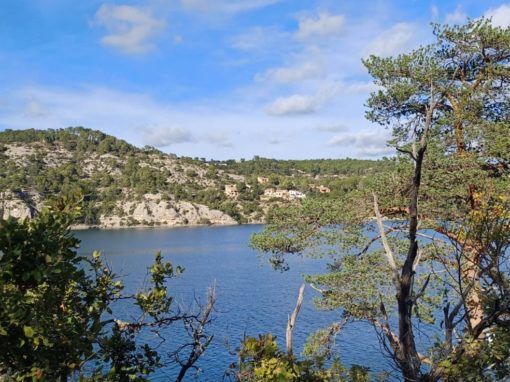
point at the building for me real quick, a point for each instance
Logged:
(262, 180)
(269, 192)
(282, 194)
(294, 194)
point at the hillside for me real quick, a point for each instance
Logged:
(123, 185)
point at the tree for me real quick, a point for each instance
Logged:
(447, 105)
(57, 309)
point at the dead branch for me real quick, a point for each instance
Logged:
(387, 249)
(292, 320)
(200, 340)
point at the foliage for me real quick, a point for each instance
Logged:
(313, 167)
(57, 309)
(260, 360)
(444, 257)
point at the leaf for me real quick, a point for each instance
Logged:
(29, 331)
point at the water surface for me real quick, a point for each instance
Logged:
(252, 297)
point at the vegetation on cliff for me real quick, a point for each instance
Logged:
(109, 173)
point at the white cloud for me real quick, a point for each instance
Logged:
(35, 109)
(324, 25)
(367, 143)
(392, 41)
(457, 17)
(327, 91)
(189, 128)
(500, 16)
(226, 6)
(130, 29)
(161, 137)
(295, 104)
(305, 71)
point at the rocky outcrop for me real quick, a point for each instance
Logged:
(19, 205)
(151, 210)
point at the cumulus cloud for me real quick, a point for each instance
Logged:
(124, 114)
(129, 28)
(367, 143)
(161, 137)
(392, 41)
(325, 94)
(305, 71)
(226, 6)
(324, 25)
(500, 16)
(456, 17)
(295, 104)
(35, 109)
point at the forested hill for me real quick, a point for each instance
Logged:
(123, 185)
(314, 167)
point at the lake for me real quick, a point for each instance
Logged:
(252, 298)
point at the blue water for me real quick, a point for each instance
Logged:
(252, 297)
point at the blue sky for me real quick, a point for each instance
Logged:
(216, 79)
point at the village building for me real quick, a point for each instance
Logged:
(279, 193)
(282, 194)
(294, 194)
(269, 192)
(262, 180)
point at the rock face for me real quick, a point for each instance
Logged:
(19, 205)
(151, 210)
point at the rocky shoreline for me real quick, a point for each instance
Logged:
(148, 211)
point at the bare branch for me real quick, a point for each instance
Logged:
(200, 339)
(387, 249)
(321, 291)
(292, 320)
(410, 153)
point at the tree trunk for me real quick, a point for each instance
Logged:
(470, 274)
(471, 277)
(410, 361)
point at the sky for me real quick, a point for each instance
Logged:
(219, 79)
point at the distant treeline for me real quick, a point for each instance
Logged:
(346, 167)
